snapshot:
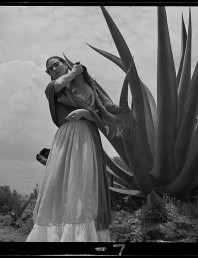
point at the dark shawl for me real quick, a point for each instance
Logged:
(116, 120)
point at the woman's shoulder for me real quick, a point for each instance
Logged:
(49, 88)
(50, 85)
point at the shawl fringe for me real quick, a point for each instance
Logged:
(117, 120)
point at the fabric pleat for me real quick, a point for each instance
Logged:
(67, 204)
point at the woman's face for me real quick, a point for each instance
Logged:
(56, 68)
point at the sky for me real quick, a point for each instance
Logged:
(31, 34)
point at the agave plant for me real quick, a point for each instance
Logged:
(162, 149)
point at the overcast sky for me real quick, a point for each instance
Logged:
(31, 34)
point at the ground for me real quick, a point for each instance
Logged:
(15, 231)
(132, 222)
(9, 234)
(174, 221)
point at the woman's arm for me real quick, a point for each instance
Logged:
(63, 80)
(78, 114)
(89, 116)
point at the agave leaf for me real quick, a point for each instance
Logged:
(124, 93)
(120, 186)
(118, 40)
(150, 117)
(119, 180)
(185, 77)
(70, 63)
(183, 47)
(135, 87)
(122, 183)
(121, 173)
(152, 105)
(139, 160)
(127, 192)
(109, 56)
(137, 144)
(187, 180)
(164, 168)
(194, 144)
(188, 123)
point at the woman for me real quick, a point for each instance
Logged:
(73, 204)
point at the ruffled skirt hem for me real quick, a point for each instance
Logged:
(84, 232)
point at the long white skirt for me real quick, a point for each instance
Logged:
(67, 204)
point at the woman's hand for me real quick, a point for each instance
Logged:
(78, 114)
(77, 68)
(63, 80)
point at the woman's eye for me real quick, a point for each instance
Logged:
(54, 66)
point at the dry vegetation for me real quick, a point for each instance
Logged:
(175, 221)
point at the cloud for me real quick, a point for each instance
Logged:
(25, 120)
(25, 124)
